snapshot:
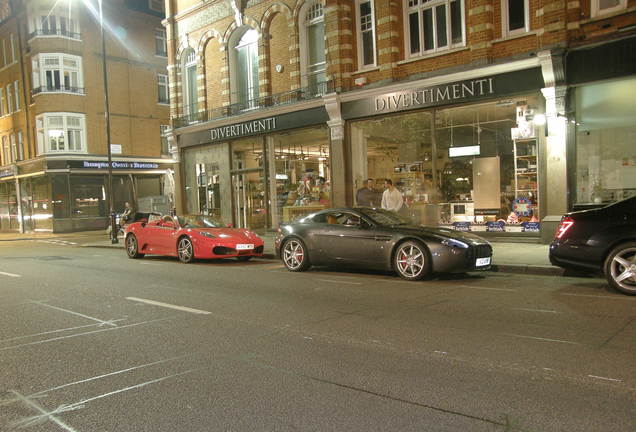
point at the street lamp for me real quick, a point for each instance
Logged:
(111, 213)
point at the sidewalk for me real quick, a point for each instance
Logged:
(508, 257)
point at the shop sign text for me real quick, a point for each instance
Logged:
(242, 129)
(120, 165)
(435, 95)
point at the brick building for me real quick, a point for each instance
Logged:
(487, 114)
(53, 152)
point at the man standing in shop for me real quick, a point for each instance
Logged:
(366, 195)
(392, 199)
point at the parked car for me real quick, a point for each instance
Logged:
(190, 237)
(378, 239)
(602, 239)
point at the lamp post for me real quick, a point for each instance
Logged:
(111, 213)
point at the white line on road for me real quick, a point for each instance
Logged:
(104, 376)
(542, 339)
(170, 306)
(604, 378)
(536, 310)
(43, 414)
(83, 334)
(10, 274)
(54, 331)
(485, 288)
(340, 282)
(600, 296)
(101, 322)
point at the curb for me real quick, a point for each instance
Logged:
(527, 269)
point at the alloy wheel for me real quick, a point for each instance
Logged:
(622, 269)
(294, 255)
(410, 261)
(184, 250)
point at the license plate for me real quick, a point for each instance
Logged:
(244, 246)
(482, 262)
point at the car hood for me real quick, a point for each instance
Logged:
(466, 237)
(236, 234)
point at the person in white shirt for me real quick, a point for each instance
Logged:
(392, 199)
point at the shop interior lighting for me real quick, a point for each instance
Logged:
(539, 119)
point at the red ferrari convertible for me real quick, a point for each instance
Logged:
(190, 237)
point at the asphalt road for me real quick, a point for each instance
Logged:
(93, 341)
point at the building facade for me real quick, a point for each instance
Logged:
(53, 147)
(488, 115)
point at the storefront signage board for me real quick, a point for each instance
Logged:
(261, 126)
(103, 165)
(6, 173)
(445, 94)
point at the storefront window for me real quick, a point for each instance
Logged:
(59, 186)
(8, 206)
(605, 142)
(301, 182)
(36, 204)
(472, 168)
(88, 196)
(122, 192)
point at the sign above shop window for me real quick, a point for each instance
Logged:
(446, 94)
(6, 173)
(103, 165)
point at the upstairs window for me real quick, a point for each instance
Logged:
(163, 133)
(60, 20)
(162, 89)
(366, 34)
(434, 25)
(515, 16)
(603, 7)
(189, 78)
(61, 133)
(313, 45)
(244, 61)
(156, 5)
(160, 42)
(57, 73)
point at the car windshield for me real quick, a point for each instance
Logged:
(199, 221)
(384, 217)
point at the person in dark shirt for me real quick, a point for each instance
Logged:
(366, 195)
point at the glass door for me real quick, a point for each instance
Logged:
(250, 202)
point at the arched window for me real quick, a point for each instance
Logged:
(189, 82)
(244, 66)
(312, 34)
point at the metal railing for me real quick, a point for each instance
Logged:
(289, 97)
(57, 89)
(55, 32)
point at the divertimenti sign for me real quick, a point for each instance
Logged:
(243, 129)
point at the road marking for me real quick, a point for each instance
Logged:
(10, 274)
(104, 376)
(101, 322)
(82, 334)
(147, 263)
(170, 306)
(600, 296)
(604, 378)
(29, 421)
(536, 310)
(542, 339)
(485, 288)
(339, 282)
(54, 331)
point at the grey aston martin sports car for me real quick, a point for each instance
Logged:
(379, 239)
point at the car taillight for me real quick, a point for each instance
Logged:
(564, 226)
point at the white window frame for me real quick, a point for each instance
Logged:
(16, 90)
(156, 5)
(411, 6)
(190, 107)
(5, 150)
(9, 89)
(163, 134)
(160, 36)
(42, 132)
(234, 42)
(359, 32)
(162, 82)
(505, 29)
(55, 16)
(2, 107)
(12, 42)
(14, 147)
(20, 145)
(597, 11)
(304, 25)
(40, 69)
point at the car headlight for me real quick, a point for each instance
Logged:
(455, 243)
(206, 234)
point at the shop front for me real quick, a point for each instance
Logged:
(258, 173)
(467, 155)
(62, 195)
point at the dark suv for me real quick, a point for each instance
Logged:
(602, 239)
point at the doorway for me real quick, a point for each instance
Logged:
(250, 200)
